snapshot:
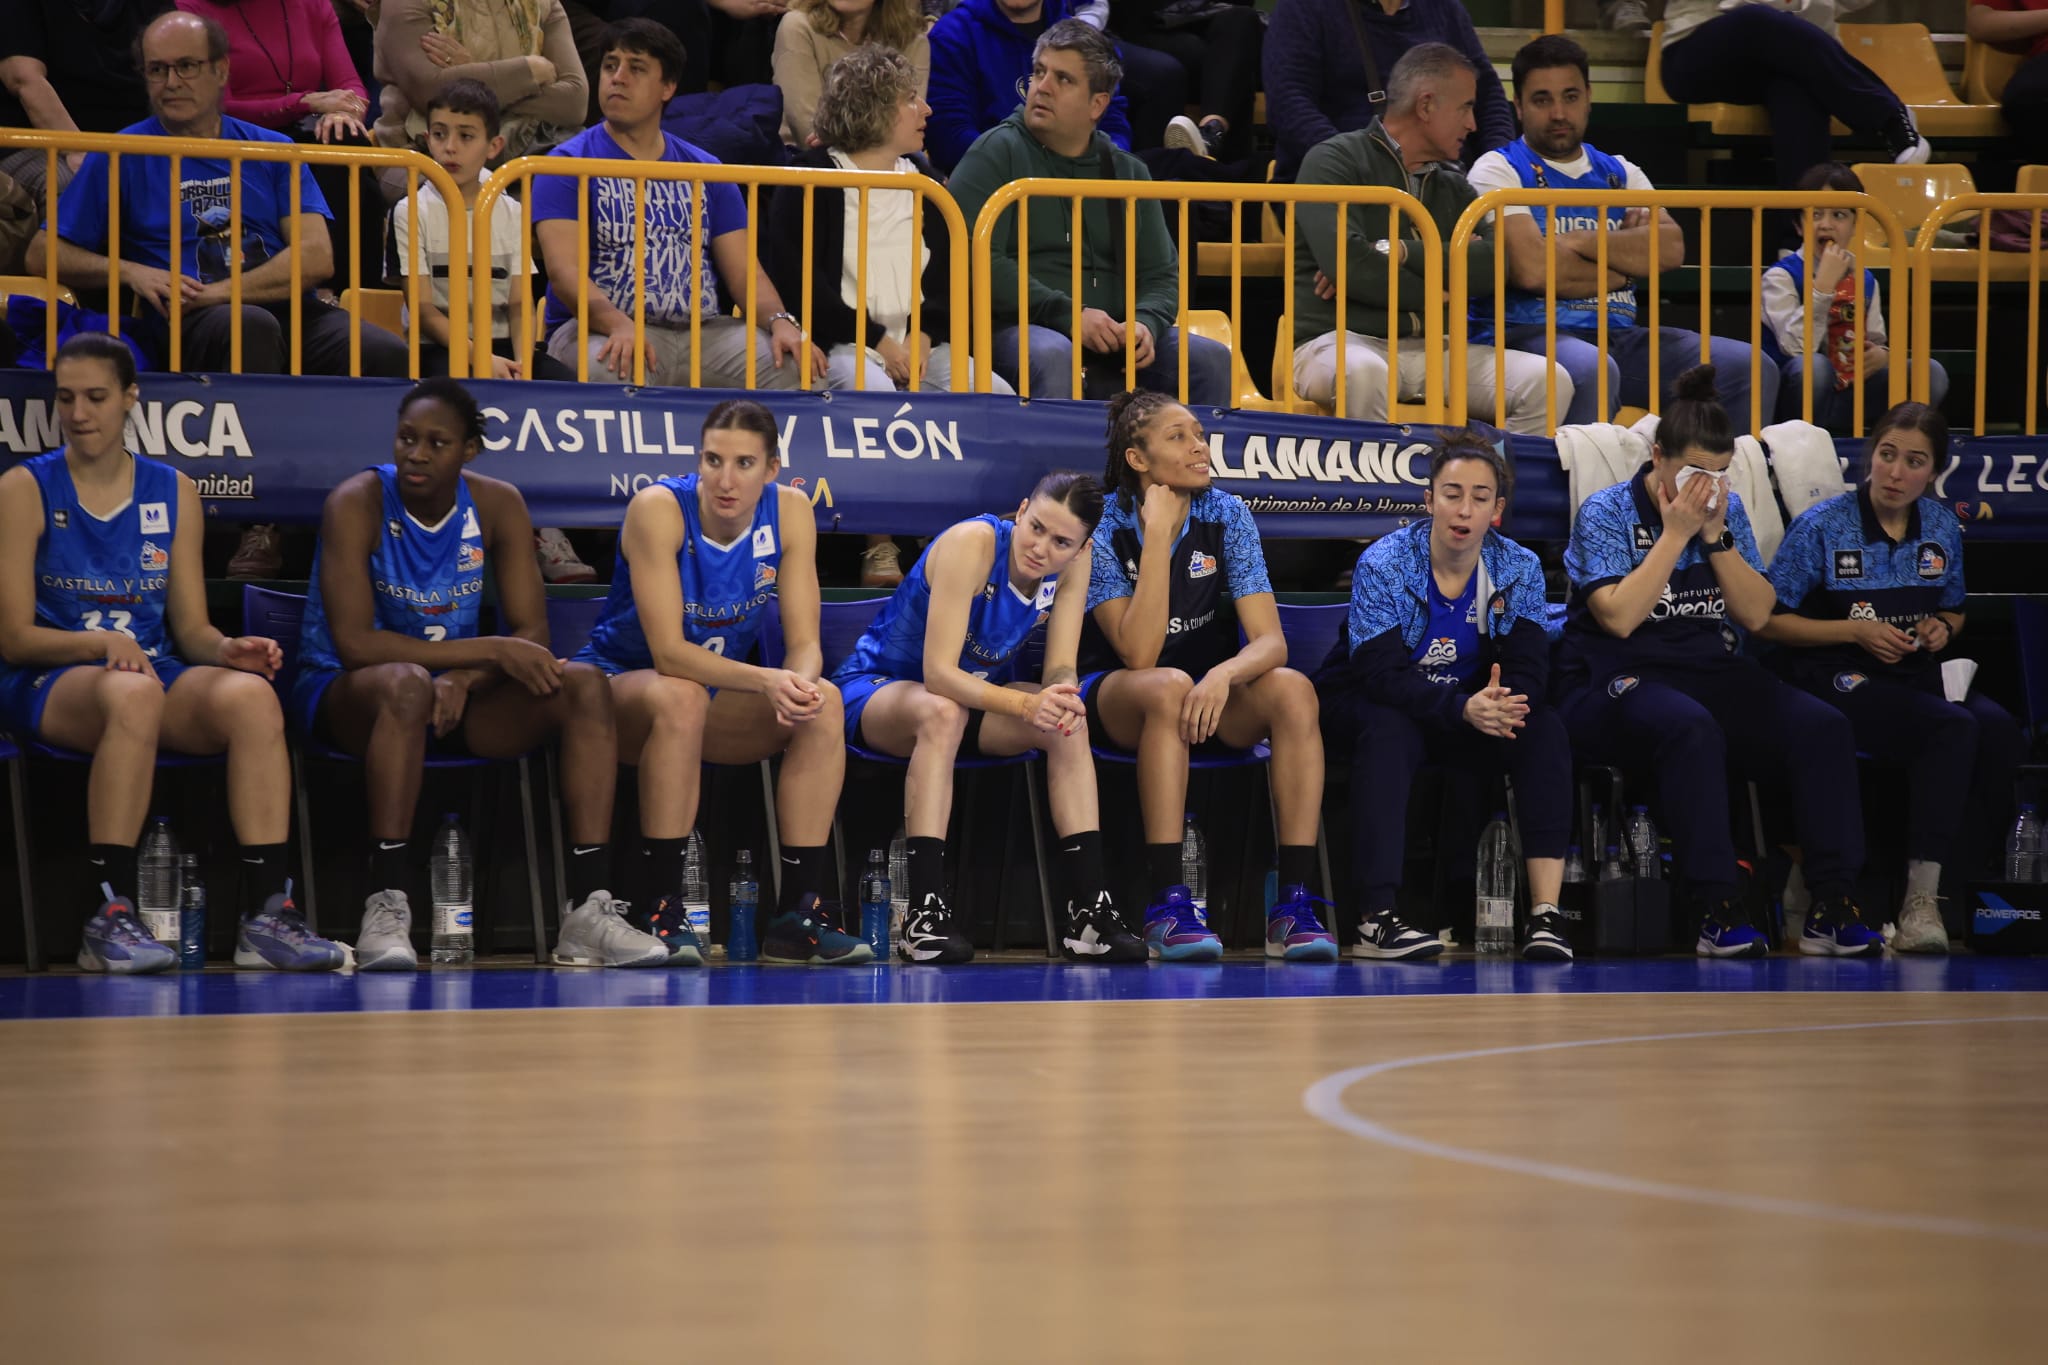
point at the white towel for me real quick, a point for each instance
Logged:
(1805, 464)
(1598, 455)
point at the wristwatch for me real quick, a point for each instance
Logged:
(1384, 247)
(1726, 542)
(787, 317)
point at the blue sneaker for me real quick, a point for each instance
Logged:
(1726, 932)
(1294, 932)
(810, 935)
(1836, 929)
(1177, 929)
(277, 937)
(115, 941)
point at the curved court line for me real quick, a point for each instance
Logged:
(1325, 1100)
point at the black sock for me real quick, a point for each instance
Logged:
(113, 864)
(1162, 866)
(661, 870)
(1080, 861)
(588, 868)
(263, 874)
(806, 872)
(926, 859)
(1298, 865)
(390, 863)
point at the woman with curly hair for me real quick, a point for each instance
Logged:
(814, 34)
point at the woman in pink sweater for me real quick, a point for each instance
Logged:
(288, 68)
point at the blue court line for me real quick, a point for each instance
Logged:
(72, 995)
(1325, 1100)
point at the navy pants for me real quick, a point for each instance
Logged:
(1683, 729)
(1960, 760)
(1386, 747)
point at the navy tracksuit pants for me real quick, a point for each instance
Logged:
(1681, 729)
(1386, 747)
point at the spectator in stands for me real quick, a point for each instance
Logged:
(1553, 96)
(1792, 63)
(1216, 44)
(522, 49)
(66, 67)
(1430, 95)
(1057, 136)
(2015, 25)
(982, 55)
(642, 62)
(817, 33)
(1328, 64)
(1829, 289)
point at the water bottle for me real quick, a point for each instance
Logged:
(2022, 850)
(1642, 844)
(1602, 835)
(156, 865)
(449, 876)
(1494, 916)
(1194, 862)
(1611, 869)
(1574, 866)
(697, 890)
(876, 896)
(742, 939)
(899, 884)
(191, 915)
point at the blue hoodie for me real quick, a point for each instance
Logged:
(978, 56)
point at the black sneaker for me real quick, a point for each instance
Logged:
(1382, 935)
(930, 934)
(1545, 940)
(810, 935)
(669, 921)
(1097, 933)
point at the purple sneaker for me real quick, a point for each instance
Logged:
(115, 941)
(277, 937)
(1295, 932)
(1177, 929)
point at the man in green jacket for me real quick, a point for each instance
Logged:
(1412, 147)
(1074, 71)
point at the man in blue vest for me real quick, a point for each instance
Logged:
(1553, 99)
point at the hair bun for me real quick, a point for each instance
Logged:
(1696, 385)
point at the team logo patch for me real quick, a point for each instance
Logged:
(764, 576)
(1848, 563)
(1442, 650)
(1472, 613)
(1849, 682)
(1646, 539)
(470, 531)
(469, 559)
(154, 558)
(1623, 685)
(156, 518)
(988, 592)
(1862, 611)
(1932, 560)
(60, 518)
(1201, 565)
(394, 528)
(764, 541)
(1499, 605)
(1730, 641)
(1047, 590)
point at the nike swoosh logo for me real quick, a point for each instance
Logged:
(386, 847)
(581, 851)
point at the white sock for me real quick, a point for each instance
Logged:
(1922, 879)
(1542, 906)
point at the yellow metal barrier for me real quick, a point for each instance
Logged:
(1401, 206)
(521, 172)
(1553, 16)
(1989, 265)
(177, 150)
(1650, 310)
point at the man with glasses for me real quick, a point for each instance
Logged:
(183, 60)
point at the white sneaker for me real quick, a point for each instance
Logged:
(595, 934)
(558, 561)
(1628, 16)
(384, 944)
(1918, 154)
(1921, 929)
(1185, 134)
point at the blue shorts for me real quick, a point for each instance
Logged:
(854, 694)
(309, 690)
(1098, 733)
(24, 692)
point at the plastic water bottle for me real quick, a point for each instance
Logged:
(742, 940)
(697, 890)
(1194, 862)
(876, 895)
(899, 884)
(1611, 869)
(449, 875)
(1642, 844)
(156, 866)
(1602, 835)
(2022, 850)
(191, 915)
(1574, 866)
(1494, 916)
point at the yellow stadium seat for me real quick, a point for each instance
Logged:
(1986, 69)
(1283, 372)
(381, 307)
(2032, 180)
(1913, 193)
(35, 286)
(1216, 326)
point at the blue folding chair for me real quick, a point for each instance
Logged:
(18, 796)
(840, 625)
(279, 615)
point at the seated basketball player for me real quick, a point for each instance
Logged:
(932, 679)
(391, 659)
(700, 559)
(107, 649)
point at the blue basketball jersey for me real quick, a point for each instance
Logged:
(1837, 564)
(1000, 620)
(108, 573)
(725, 587)
(427, 581)
(1448, 651)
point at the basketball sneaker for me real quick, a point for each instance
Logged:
(595, 934)
(384, 943)
(1835, 928)
(810, 935)
(1294, 932)
(1545, 939)
(1383, 935)
(278, 937)
(1177, 929)
(1096, 933)
(931, 934)
(1921, 928)
(1725, 931)
(115, 941)
(669, 921)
